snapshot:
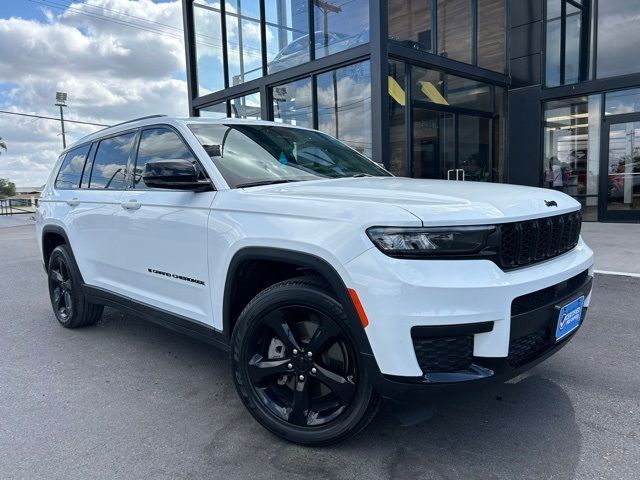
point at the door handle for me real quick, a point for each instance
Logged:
(74, 202)
(130, 205)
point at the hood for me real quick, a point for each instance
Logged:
(434, 202)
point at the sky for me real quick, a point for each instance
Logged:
(116, 59)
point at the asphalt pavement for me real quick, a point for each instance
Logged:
(128, 399)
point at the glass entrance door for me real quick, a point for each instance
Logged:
(433, 143)
(474, 148)
(620, 175)
(451, 146)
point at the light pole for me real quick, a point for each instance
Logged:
(61, 101)
(327, 8)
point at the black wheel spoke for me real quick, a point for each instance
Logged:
(67, 300)
(300, 404)
(57, 296)
(324, 336)
(281, 327)
(56, 276)
(344, 388)
(260, 370)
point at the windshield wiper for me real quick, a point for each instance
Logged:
(361, 175)
(265, 182)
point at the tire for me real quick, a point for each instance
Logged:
(70, 306)
(309, 398)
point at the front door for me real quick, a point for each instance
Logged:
(164, 234)
(620, 169)
(451, 145)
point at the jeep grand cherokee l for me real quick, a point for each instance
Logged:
(331, 282)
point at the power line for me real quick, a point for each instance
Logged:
(146, 28)
(50, 4)
(53, 118)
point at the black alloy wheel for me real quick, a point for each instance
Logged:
(61, 289)
(65, 291)
(301, 366)
(296, 366)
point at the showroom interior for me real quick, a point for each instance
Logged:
(535, 92)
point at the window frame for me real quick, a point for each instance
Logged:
(84, 165)
(98, 141)
(134, 158)
(583, 48)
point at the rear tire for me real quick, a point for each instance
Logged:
(296, 366)
(70, 306)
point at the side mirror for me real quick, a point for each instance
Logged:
(175, 175)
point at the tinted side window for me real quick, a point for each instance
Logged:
(71, 168)
(158, 144)
(110, 163)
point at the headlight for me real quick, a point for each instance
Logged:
(411, 241)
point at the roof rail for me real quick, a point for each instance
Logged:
(118, 124)
(136, 119)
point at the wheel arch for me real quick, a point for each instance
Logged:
(52, 237)
(298, 261)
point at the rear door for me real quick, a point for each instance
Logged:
(164, 234)
(95, 230)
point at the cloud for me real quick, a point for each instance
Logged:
(111, 71)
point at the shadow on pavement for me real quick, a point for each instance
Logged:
(516, 430)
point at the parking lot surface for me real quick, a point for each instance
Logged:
(128, 399)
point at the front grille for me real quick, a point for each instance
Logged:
(549, 295)
(526, 348)
(531, 241)
(444, 354)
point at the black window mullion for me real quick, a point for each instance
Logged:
(266, 103)
(563, 39)
(474, 32)
(314, 101)
(223, 39)
(263, 36)
(408, 119)
(594, 47)
(434, 26)
(585, 33)
(312, 31)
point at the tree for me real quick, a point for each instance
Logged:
(7, 188)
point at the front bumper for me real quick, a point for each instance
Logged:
(463, 298)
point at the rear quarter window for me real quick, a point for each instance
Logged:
(71, 169)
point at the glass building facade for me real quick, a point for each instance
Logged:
(536, 92)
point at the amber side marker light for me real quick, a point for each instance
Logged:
(356, 303)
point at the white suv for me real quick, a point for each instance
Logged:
(331, 282)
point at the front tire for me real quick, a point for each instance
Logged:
(65, 291)
(296, 365)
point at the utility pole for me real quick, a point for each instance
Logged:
(61, 101)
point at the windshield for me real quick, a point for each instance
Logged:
(249, 155)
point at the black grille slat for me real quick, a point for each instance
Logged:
(508, 244)
(523, 243)
(444, 354)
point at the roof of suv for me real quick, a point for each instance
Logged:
(165, 119)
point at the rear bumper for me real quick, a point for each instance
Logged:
(423, 314)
